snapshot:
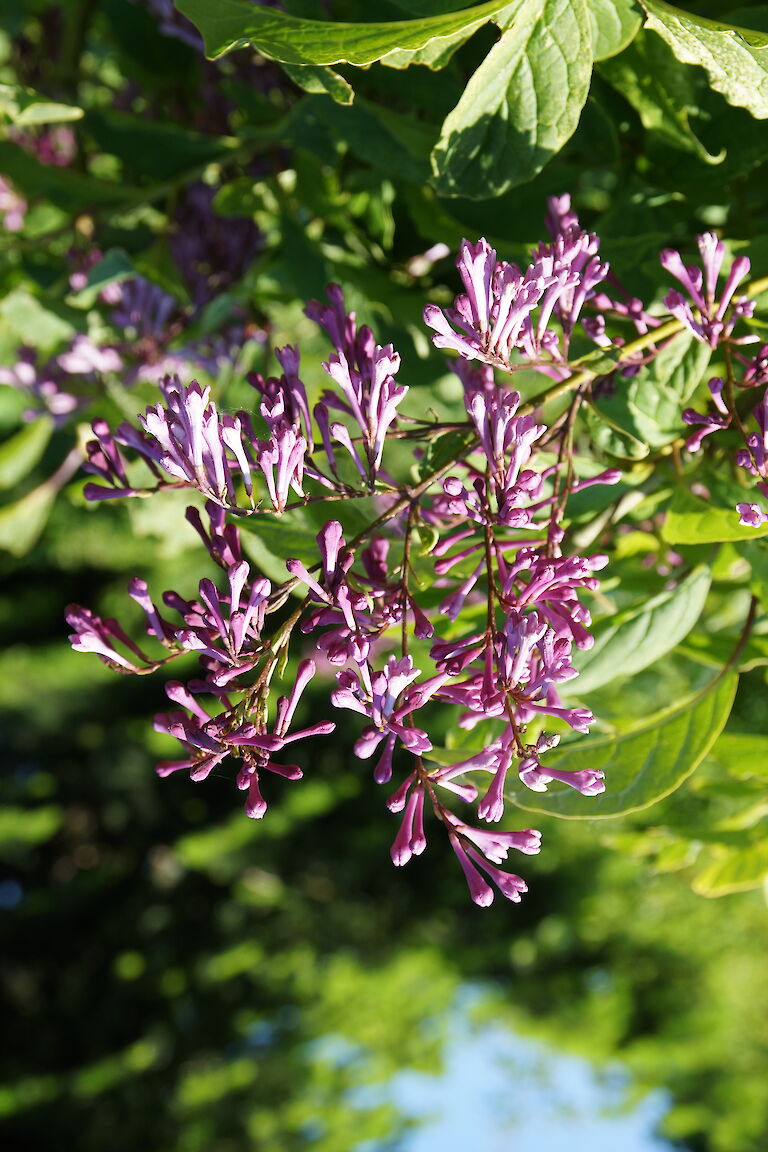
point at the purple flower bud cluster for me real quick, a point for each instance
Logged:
(711, 318)
(753, 456)
(460, 602)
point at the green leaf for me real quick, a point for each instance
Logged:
(443, 450)
(26, 108)
(690, 520)
(633, 640)
(612, 427)
(662, 91)
(20, 454)
(735, 59)
(269, 540)
(733, 870)
(522, 103)
(320, 81)
(435, 55)
(22, 522)
(230, 24)
(615, 24)
(643, 765)
(658, 394)
(742, 754)
(29, 322)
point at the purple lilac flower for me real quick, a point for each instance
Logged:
(703, 313)
(50, 384)
(209, 740)
(364, 372)
(504, 310)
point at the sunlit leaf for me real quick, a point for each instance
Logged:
(735, 59)
(615, 23)
(643, 765)
(22, 522)
(521, 105)
(691, 520)
(230, 24)
(25, 108)
(627, 643)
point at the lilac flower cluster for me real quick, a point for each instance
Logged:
(711, 320)
(462, 596)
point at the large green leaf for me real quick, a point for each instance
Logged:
(612, 426)
(229, 24)
(521, 105)
(156, 149)
(691, 520)
(627, 643)
(615, 23)
(642, 766)
(735, 59)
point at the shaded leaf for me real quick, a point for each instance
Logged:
(67, 189)
(612, 427)
(442, 450)
(157, 150)
(735, 59)
(657, 396)
(521, 105)
(661, 90)
(641, 766)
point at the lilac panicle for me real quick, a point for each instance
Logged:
(494, 519)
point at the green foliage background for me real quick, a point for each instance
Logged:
(170, 964)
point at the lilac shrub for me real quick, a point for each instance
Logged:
(464, 594)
